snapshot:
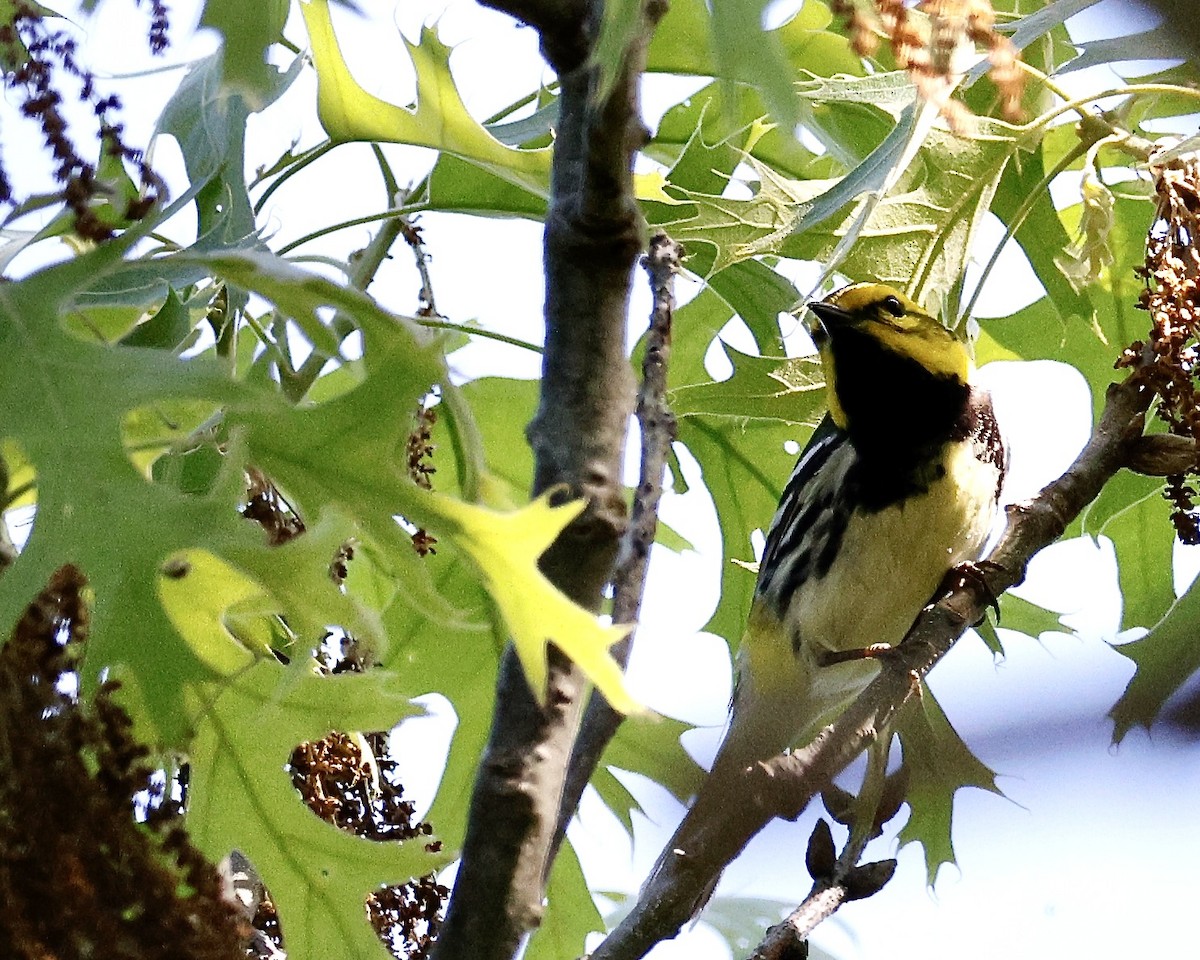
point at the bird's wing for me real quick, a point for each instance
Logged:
(811, 516)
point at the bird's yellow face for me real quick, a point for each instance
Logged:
(894, 322)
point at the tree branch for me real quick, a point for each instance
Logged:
(657, 426)
(592, 238)
(1162, 454)
(783, 786)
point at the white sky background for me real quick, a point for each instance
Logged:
(1092, 853)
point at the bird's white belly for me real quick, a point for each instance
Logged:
(890, 563)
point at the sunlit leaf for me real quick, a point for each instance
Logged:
(439, 120)
(505, 548)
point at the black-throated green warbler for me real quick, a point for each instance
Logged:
(898, 485)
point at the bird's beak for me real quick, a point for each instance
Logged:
(828, 317)
(829, 314)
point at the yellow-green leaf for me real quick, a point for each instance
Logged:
(505, 547)
(198, 591)
(439, 119)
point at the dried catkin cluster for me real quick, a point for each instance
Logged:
(928, 40)
(79, 877)
(350, 781)
(1168, 359)
(35, 63)
(419, 451)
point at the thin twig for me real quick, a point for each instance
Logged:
(362, 267)
(784, 786)
(412, 236)
(657, 426)
(835, 884)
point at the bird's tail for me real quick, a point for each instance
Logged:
(748, 741)
(769, 714)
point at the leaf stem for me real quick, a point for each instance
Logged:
(298, 164)
(1018, 218)
(391, 213)
(478, 332)
(1133, 89)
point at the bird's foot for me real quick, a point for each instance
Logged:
(974, 574)
(876, 651)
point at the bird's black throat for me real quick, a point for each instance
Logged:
(899, 416)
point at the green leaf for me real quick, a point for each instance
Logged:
(1144, 541)
(208, 121)
(198, 591)
(697, 324)
(990, 637)
(702, 143)
(1041, 330)
(667, 536)
(1043, 19)
(917, 238)
(338, 454)
(616, 796)
(166, 329)
(745, 465)
(744, 49)
(648, 745)
(1017, 613)
(790, 390)
(242, 798)
(758, 295)
(1165, 658)
(248, 32)
(1160, 42)
(939, 764)
(456, 186)
(332, 461)
(440, 119)
(741, 229)
(66, 401)
(1041, 233)
(571, 913)
(458, 658)
(687, 41)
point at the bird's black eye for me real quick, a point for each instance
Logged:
(893, 306)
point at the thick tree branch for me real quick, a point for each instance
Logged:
(657, 425)
(785, 785)
(592, 238)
